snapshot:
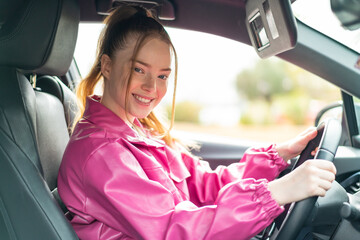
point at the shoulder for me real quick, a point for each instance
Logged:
(95, 143)
(109, 156)
(95, 158)
(90, 141)
(110, 166)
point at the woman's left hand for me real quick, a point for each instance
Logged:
(294, 147)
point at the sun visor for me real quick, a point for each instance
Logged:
(271, 26)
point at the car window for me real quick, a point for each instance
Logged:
(225, 89)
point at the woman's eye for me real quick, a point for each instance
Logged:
(139, 70)
(163, 77)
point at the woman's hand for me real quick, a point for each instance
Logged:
(312, 178)
(293, 147)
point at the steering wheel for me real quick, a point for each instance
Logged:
(327, 141)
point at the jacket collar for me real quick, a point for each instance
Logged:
(115, 127)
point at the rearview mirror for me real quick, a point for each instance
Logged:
(271, 26)
(348, 13)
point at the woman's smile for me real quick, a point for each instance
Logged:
(142, 99)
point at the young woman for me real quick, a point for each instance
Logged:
(124, 177)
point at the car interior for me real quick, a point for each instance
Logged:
(38, 104)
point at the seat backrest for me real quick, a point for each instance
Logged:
(37, 37)
(56, 111)
(54, 86)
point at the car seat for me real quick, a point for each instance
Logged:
(38, 38)
(54, 86)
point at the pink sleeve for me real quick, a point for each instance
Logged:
(262, 163)
(257, 163)
(120, 195)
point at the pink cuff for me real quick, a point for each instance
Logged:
(263, 196)
(272, 154)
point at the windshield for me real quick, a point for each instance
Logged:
(318, 15)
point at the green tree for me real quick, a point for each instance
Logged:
(286, 89)
(265, 80)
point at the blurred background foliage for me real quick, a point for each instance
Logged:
(278, 92)
(186, 111)
(272, 92)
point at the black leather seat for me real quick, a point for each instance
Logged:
(54, 86)
(36, 37)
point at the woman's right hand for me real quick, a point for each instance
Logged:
(312, 178)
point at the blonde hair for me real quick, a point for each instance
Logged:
(122, 24)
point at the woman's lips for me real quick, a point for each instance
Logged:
(143, 100)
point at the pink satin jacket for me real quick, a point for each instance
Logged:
(119, 185)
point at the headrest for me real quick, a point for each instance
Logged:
(39, 36)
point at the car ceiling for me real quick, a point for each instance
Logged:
(221, 17)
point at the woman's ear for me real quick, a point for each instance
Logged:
(106, 66)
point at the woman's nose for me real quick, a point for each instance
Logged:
(149, 84)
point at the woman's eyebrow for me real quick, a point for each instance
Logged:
(148, 65)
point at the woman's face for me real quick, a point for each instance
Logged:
(148, 84)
